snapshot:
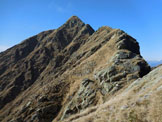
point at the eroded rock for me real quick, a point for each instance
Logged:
(84, 98)
(125, 66)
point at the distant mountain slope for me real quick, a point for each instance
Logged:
(154, 63)
(61, 72)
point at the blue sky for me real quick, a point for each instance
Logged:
(142, 19)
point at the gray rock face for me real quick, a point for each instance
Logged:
(84, 98)
(125, 41)
(126, 66)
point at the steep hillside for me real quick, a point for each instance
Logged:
(141, 101)
(61, 72)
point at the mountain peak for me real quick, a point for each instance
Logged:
(74, 21)
(74, 18)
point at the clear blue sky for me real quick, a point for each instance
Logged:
(142, 19)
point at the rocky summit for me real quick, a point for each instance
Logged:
(75, 73)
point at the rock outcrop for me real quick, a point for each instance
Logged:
(84, 98)
(61, 72)
(140, 101)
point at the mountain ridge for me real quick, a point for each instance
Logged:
(58, 73)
